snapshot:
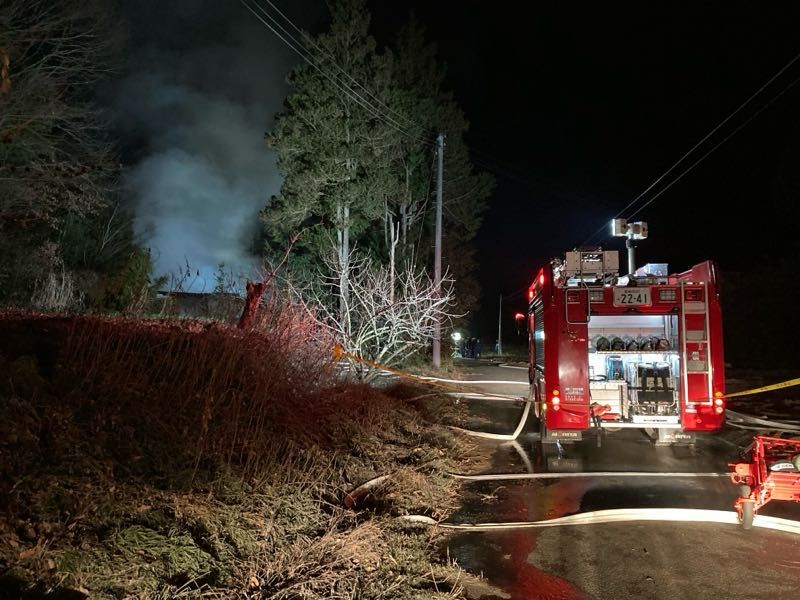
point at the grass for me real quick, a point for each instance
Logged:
(163, 459)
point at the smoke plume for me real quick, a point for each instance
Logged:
(204, 84)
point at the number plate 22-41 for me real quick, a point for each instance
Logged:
(632, 296)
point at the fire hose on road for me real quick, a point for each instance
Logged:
(594, 517)
(620, 515)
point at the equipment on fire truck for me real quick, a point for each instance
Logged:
(647, 344)
(617, 344)
(630, 231)
(602, 344)
(614, 367)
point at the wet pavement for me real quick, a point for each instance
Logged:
(613, 560)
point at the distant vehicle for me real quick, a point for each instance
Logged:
(640, 350)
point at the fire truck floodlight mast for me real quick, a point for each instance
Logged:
(630, 231)
(614, 351)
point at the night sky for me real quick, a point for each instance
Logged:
(575, 107)
(578, 107)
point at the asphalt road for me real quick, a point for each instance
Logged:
(616, 560)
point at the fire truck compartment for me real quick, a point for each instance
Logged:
(634, 368)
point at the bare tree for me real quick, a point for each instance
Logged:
(386, 316)
(55, 161)
(53, 156)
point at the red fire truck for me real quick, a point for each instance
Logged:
(640, 350)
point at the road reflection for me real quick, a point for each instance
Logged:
(612, 560)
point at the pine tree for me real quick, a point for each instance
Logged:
(363, 175)
(331, 147)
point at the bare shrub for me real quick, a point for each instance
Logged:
(53, 157)
(217, 391)
(383, 315)
(57, 292)
(198, 458)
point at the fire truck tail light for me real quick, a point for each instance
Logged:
(556, 393)
(556, 401)
(719, 402)
(556, 407)
(531, 293)
(541, 279)
(718, 394)
(719, 409)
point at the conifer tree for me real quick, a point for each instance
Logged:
(355, 146)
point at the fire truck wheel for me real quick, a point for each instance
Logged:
(748, 512)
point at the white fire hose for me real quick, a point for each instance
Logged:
(603, 516)
(622, 515)
(615, 515)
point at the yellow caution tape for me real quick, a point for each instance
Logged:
(766, 388)
(339, 352)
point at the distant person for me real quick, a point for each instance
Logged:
(477, 348)
(471, 348)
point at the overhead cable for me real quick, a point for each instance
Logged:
(332, 60)
(704, 139)
(717, 145)
(338, 83)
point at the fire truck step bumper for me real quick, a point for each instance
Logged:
(562, 435)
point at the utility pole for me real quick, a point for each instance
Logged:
(500, 328)
(437, 261)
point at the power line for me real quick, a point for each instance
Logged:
(343, 87)
(698, 144)
(725, 139)
(337, 82)
(345, 73)
(340, 84)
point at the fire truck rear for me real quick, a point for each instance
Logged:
(641, 350)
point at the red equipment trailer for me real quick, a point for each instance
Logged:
(773, 473)
(610, 351)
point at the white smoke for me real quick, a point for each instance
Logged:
(206, 83)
